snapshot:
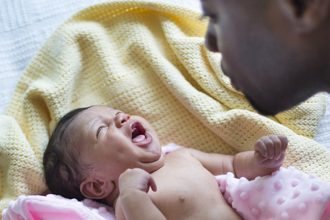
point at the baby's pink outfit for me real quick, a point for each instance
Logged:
(286, 194)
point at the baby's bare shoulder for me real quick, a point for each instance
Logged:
(182, 154)
(182, 150)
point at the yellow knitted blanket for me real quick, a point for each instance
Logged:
(148, 59)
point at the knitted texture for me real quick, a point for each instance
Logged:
(149, 59)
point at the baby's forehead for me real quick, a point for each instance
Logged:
(98, 110)
(94, 114)
(86, 121)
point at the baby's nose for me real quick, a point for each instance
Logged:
(121, 119)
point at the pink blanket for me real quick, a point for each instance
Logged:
(53, 207)
(286, 194)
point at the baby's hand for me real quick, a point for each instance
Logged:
(136, 179)
(270, 150)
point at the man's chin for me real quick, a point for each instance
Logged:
(265, 108)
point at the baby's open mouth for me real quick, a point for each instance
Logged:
(138, 132)
(140, 136)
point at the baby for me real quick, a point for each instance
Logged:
(107, 155)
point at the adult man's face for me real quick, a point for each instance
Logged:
(263, 52)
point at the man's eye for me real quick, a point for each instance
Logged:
(99, 131)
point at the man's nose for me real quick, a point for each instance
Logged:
(121, 119)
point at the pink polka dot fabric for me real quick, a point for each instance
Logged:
(287, 194)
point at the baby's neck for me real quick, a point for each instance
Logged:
(112, 198)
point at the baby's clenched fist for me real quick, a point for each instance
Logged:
(270, 150)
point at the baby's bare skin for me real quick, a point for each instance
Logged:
(186, 190)
(185, 187)
(123, 165)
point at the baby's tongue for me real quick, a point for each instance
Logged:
(139, 138)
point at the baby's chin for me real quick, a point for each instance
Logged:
(157, 160)
(157, 164)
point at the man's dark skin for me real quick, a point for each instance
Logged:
(277, 52)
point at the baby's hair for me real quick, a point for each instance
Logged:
(63, 173)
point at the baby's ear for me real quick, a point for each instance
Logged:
(93, 188)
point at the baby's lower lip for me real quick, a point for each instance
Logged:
(144, 143)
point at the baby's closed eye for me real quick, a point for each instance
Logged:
(100, 130)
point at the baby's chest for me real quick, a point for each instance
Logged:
(180, 168)
(184, 186)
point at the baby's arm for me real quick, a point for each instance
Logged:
(267, 157)
(133, 201)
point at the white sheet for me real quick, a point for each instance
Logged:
(26, 24)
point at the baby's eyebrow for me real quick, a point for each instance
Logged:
(93, 122)
(118, 113)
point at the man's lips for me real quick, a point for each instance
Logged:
(232, 81)
(234, 84)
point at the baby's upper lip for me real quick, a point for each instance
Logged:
(137, 129)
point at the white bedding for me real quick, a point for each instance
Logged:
(26, 24)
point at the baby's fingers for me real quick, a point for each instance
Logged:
(281, 143)
(152, 184)
(272, 163)
(277, 149)
(270, 147)
(261, 148)
(284, 142)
